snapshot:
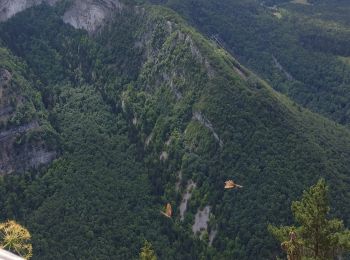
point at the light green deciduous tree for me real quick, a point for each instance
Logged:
(147, 253)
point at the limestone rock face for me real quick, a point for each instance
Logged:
(9, 8)
(82, 14)
(15, 157)
(90, 14)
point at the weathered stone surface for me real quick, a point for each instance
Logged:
(28, 156)
(17, 152)
(82, 14)
(9, 8)
(201, 221)
(186, 197)
(90, 14)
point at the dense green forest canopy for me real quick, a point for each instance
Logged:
(148, 99)
(317, 236)
(302, 50)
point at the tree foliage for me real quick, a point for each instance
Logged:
(15, 238)
(301, 50)
(317, 236)
(147, 253)
(145, 98)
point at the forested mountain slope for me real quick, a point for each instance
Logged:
(145, 107)
(27, 139)
(300, 47)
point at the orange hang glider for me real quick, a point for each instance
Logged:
(168, 211)
(231, 185)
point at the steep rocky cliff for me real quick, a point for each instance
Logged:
(9, 8)
(24, 130)
(149, 112)
(82, 14)
(90, 14)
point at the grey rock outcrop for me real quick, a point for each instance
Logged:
(18, 152)
(201, 221)
(82, 14)
(185, 198)
(90, 14)
(9, 8)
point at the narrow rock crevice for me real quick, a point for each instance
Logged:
(280, 67)
(186, 197)
(213, 233)
(164, 156)
(178, 182)
(203, 120)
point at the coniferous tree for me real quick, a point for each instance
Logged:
(317, 237)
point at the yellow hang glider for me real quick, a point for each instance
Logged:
(230, 184)
(168, 211)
